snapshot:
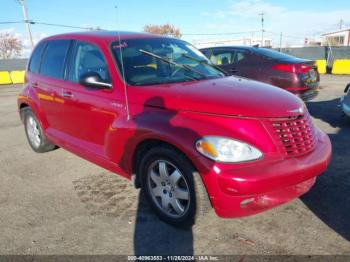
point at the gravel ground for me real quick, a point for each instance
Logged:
(57, 203)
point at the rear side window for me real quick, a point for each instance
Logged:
(229, 57)
(54, 58)
(240, 56)
(222, 57)
(34, 64)
(271, 54)
(206, 52)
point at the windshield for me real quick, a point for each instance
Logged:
(161, 60)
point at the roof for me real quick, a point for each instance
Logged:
(104, 35)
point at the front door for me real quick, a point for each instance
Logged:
(89, 112)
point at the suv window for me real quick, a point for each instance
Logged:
(206, 52)
(222, 57)
(228, 57)
(240, 56)
(271, 54)
(88, 58)
(152, 61)
(34, 64)
(54, 58)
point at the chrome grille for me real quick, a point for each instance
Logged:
(294, 136)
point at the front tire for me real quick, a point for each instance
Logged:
(172, 186)
(35, 135)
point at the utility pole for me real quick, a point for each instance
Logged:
(280, 41)
(26, 20)
(262, 28)
(341, 24)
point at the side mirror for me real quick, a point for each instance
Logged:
(347, 88)
(93, 80)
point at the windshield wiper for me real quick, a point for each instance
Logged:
(185, 67)
(202, 61)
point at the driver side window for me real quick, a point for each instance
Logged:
(88, 58)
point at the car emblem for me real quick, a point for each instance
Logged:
(299, 110)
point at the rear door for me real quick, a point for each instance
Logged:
(244, 64)
(32, 77)
(51, 81)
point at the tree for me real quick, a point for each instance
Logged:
(166, 29)
(10, 46)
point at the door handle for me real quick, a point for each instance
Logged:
(34, 84)
(234, 70)
(67, 94)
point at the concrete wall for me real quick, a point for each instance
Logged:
(12, 71)
(13, 64)
(312, 53)
(335, 60)
(318, 53)
(341, 52)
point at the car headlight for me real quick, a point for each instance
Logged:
(224, 149)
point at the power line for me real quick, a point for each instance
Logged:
(286, 36)
(60, 25)
(7, 22)
(49, 24)
(228, 33)
(246, 32)
(185, 34)
(30, 22)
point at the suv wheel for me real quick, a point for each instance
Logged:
(172, 186)
(35, 135)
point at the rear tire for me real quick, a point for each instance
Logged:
(34, 132)
(173, 187)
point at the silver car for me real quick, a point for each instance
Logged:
(345, 100)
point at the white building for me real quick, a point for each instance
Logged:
(337, 38)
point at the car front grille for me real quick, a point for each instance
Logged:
(295, 136)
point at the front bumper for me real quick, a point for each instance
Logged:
(261, 186)
(305, 90)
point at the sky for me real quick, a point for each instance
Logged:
(229, 19)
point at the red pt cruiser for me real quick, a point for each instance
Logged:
(154, 110)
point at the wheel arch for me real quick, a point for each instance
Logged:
(145, 145)
(21, 107)
(33, 106)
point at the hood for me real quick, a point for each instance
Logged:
(230, 96)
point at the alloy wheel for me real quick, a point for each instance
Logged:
(33, 131)
(168, 188)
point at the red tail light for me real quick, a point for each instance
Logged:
(292, 68)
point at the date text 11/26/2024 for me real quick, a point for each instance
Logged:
(173, 258)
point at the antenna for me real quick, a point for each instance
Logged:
(123, 72)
